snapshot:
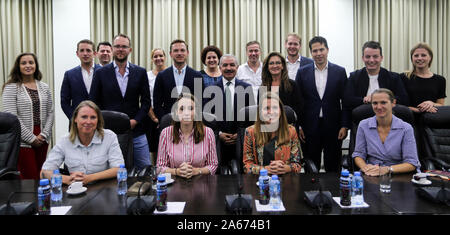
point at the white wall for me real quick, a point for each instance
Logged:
(71, 23)
(336, 25)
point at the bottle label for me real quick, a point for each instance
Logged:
(44, 200)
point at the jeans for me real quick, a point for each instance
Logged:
(141, 152)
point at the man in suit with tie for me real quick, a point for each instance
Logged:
(77, 81)
(236, 95)
(179, 77)
(324, 123)
(294, 60)
(122, 86)
(363, 82)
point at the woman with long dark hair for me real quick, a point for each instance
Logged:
(187, 147)
(25, 96)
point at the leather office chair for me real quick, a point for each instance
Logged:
(437, 139)
(366, 111)
(119, 123)
(9, 145)
(209, 120)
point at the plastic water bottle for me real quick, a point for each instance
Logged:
(357, 189)
(161, 193)
(122, 180)
(264, 193)
(44, 197)
(346, 188)
(56, 187)
(275, 199)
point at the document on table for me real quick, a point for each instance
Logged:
(173, 208)
(59, 210)
(263, 208)
(338, 201)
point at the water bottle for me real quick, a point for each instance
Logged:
(56, 194)
(357, 189)
(275, 199)
(264, 193)
(122, 180)
(346, 188)
(44, 197)
(161, 193)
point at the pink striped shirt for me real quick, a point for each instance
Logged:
(171, 155)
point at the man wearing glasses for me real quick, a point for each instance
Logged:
(123, 87)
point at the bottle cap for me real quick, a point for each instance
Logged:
(274, 177)
(56, 171)
(162, 178)
(122, 166)
(344, 173)
(43, 182)
(263, 172)
(357, 173)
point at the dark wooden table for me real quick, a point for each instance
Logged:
(205, 195)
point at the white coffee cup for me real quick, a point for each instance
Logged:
(76, 186)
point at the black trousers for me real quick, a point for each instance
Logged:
(325, 140)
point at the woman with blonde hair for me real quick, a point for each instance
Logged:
(90, 152)
(271, 143)
(426, 90)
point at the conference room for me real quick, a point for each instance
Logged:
(58, 36)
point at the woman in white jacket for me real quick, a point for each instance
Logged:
(25, 96)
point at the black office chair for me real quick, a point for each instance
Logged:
(366, 111)
(437, 139)
(119, 123)
(208, 120)
(9, 146)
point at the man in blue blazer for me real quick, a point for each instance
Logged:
(324, 123)
(77, 81)
(170, 82)
(236, 94)
(294, 60)
(122, 86)
(363, 82)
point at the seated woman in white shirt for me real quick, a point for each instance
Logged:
(90, 152)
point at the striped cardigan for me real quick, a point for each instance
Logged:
(17, 101)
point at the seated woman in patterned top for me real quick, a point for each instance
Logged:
(271, 143)
(187, 147)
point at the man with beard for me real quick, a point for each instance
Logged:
(123, 87)
(77, 81)
(104, 53)
(170, 82)
(294, 60)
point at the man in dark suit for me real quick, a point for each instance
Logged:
(77, 81)
(123, 87)
(236, 95)
(179, 77)
(294, 60)
(364, 81)
(324, 123)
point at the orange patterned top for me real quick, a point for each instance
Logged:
(289, 153)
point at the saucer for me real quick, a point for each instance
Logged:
(72, 192)
(422, 181)
(170, 181)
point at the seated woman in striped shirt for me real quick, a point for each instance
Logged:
(187, 147)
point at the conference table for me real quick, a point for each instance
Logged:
(205, 195)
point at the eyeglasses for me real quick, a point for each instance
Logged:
(275, 62)
(121, 47)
